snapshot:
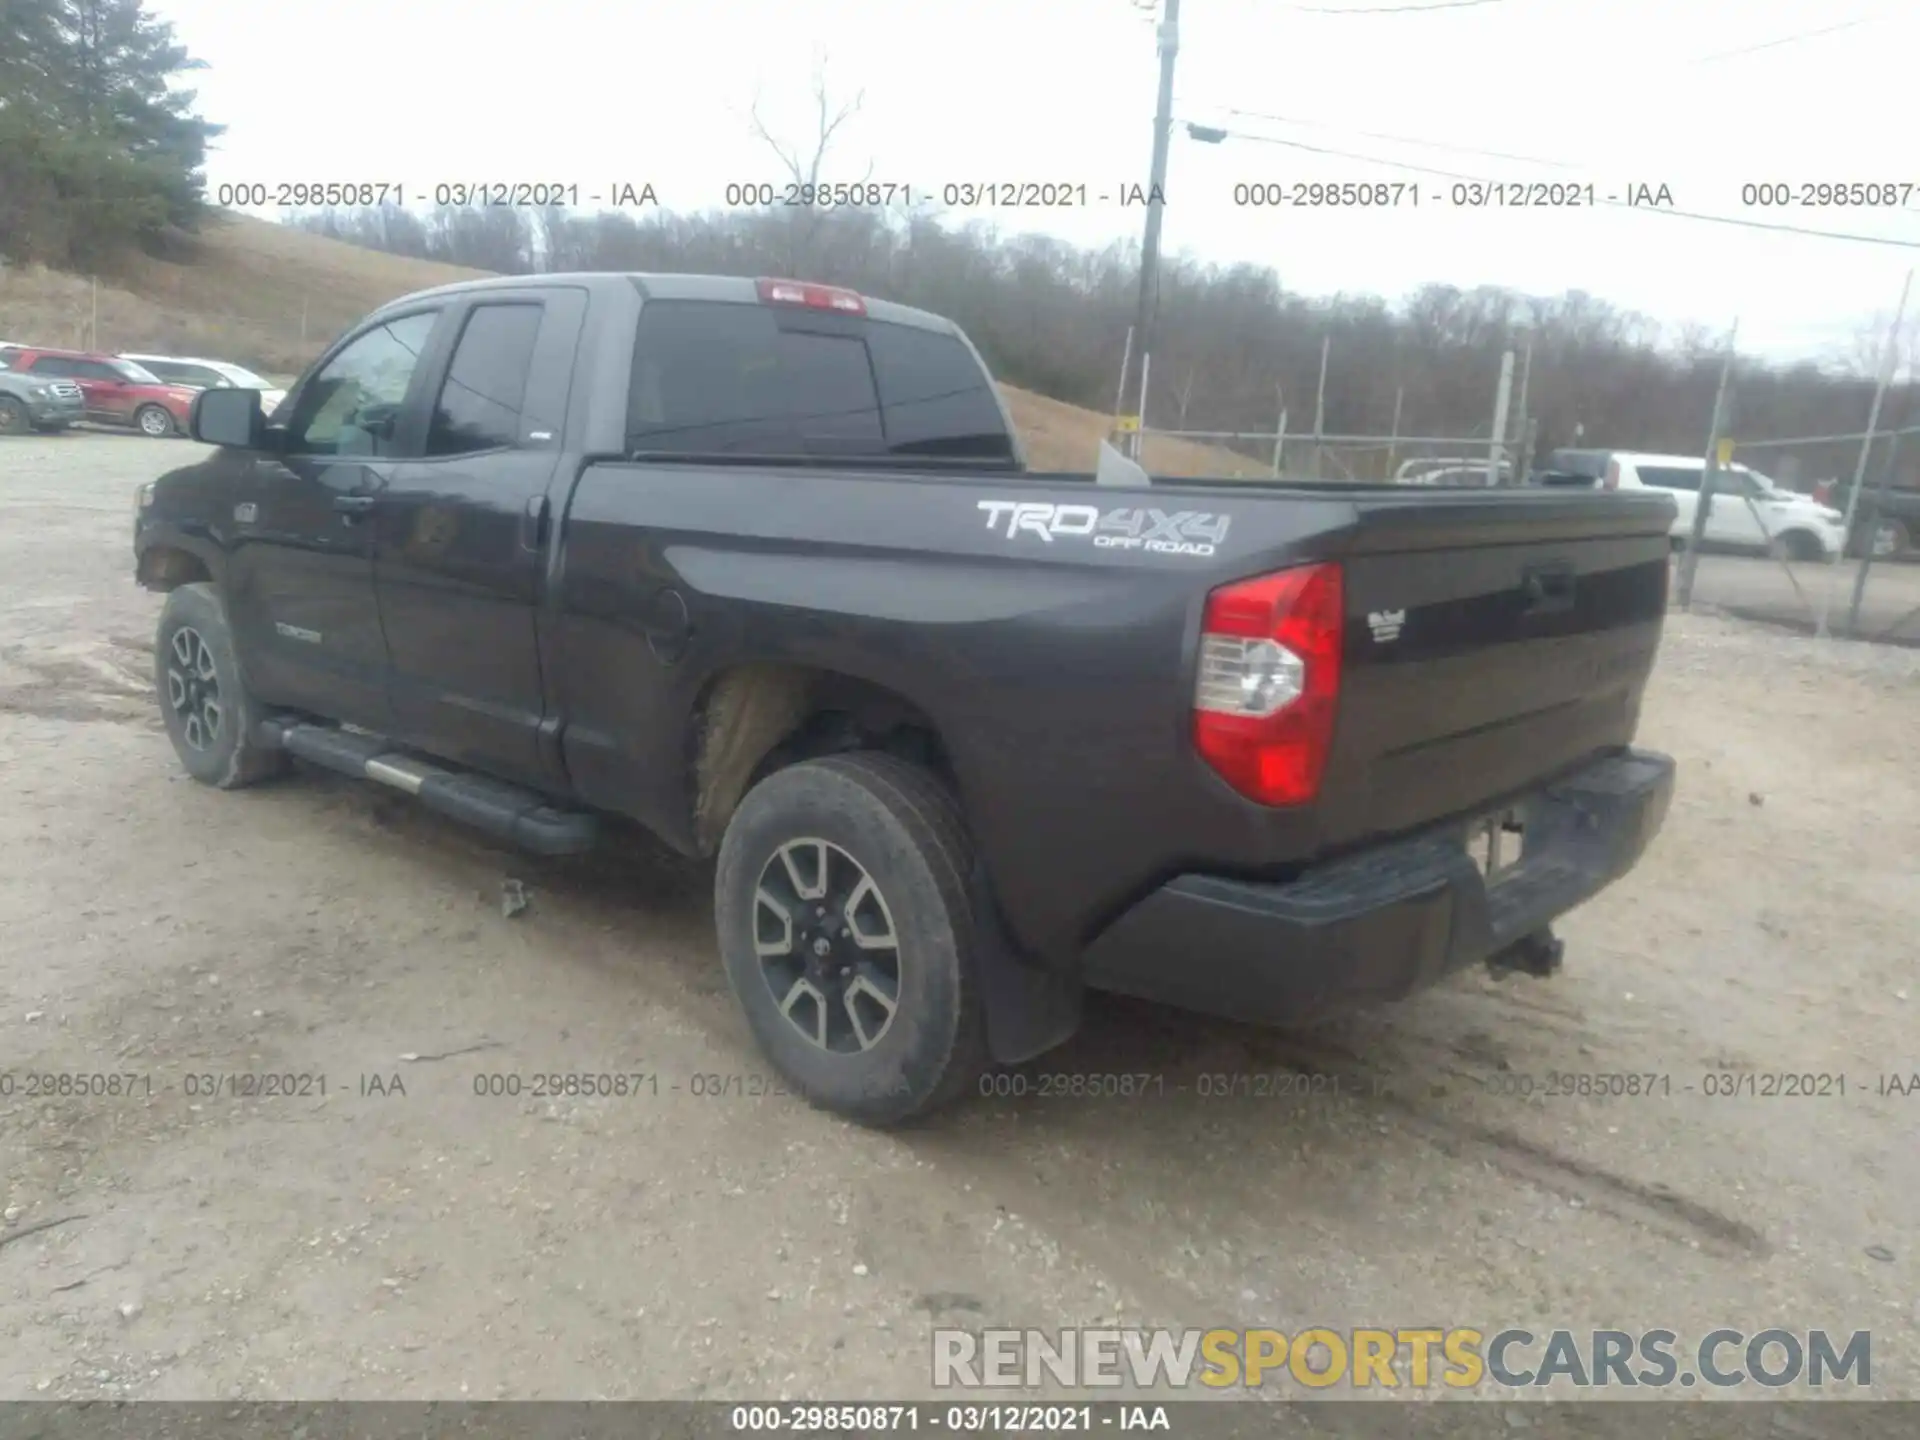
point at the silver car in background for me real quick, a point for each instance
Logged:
(211, 375)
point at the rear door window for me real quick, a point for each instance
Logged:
(717, 379)
(486, 386)
(1667, 477)
(184, 374)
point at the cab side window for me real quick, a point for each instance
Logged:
(485, 392)
(353, 404)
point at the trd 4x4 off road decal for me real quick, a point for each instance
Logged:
(1183, 532)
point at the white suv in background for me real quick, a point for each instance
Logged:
(211, 375)
(1779, 520)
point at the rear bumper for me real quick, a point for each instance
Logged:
(1386, 922)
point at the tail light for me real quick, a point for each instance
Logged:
(1269, 682)
(813, 297)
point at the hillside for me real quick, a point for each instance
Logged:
(269, 296)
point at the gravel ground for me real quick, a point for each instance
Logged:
(404, 1237)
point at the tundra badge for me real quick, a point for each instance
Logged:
(1385, 624)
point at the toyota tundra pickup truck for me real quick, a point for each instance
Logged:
(759, 565)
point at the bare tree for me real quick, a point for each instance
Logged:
(805, 164)
(1185, 393)
(1050, 316)
(1864, 355)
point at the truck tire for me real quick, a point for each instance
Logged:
(13, 417)
(208, 714)
(154, 421)
(847, 933)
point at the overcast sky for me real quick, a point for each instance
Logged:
(1615, 92)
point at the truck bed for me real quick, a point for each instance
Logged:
(1054, 638)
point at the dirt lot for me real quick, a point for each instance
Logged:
(1793, 594)
(704, 1241)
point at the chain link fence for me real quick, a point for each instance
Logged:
(1777, 538)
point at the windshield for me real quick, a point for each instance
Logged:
(138, 374)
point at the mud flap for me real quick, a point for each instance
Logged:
(1030, 1008)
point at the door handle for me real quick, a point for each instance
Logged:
(533, 523)
(353, 504)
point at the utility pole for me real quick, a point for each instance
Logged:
(1502, 397)
(1523, 415)
(1393, 436)
(1169, 37)
(1279, 428)
(1140, 435)
(1716, 428)
(1320, 403)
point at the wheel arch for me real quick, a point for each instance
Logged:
(1801, 542)
(753, 719)
(168, 564)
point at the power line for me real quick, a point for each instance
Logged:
(1789, 39)
(1735, 220)
(1392, 9)
(1400, 139)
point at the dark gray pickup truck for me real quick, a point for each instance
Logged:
(758, 564)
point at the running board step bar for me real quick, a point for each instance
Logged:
(506, 812)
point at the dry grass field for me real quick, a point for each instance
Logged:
(269, 296)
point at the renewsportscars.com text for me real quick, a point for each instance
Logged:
(1459, 1358)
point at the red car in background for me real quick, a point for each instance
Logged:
(118, 392)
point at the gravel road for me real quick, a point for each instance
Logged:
(408, 1235)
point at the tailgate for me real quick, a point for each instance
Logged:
(1493, 640)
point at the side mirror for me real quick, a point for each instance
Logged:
(227, 417)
